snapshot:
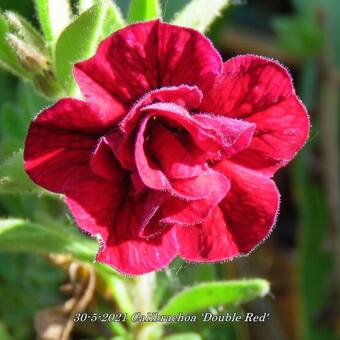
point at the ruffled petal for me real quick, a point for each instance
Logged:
(103, 162)
(77, 116)
(122, 140)
(176, 159)
(150, 55)
(233, 135)
(103, 209)
(281, 131)
(212, 185)
(132, 254)
(153, 176)
(240, 222)
(94, 202)
(99, 96)
(186, 57)
(208, 241)
(251, 206)
(260, 91)
(60, 141)
(189, 97)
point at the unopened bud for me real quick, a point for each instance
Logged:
(26, 31)
(31, 59)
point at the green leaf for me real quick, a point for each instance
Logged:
(113, 20)
(54, 16)
(13, 178)
(183, 336)
(21, 236)
(142, 10)
(300, 35)
(200, 14)
(212, 294)
(84, 5)
(4, 335)
(8, 58)
(77, 42)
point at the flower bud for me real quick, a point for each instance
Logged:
(31, 59)
(26, 31)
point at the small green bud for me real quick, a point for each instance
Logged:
(26, 31)
(31, 59)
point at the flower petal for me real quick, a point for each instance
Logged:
(211, 185)
(232, 134)
(75, 115)
(101, 208)
(175, 158)
(94, 202)
(242, 220)
(260, 90)
(208, 241)
(176, 211)
(153, 176)
(60, 141)
(98, 95)
(189, 97)
(150, 55)
(280, 133)
(122, 140)
(103, 162)
(134, 255)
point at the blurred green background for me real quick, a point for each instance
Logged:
(301, 257)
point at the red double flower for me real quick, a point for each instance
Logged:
(172, 151)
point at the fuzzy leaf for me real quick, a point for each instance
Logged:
(13, 178)
(54, 16)
(212, 294)
(113, 20)
(200, 14)
(142, 10)
(21, 236)
(8, 58)
(77, 42)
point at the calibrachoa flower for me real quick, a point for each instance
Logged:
(171, 152)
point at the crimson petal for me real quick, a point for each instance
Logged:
(240, 222)
(104, 164)
(260, 91)
(175, 159)
(232, 134)
(150, 55)
(101, 208)
(60, 141)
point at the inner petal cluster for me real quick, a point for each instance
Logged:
(166, 147)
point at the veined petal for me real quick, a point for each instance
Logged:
(208, 241)
(233, 135)
(176, 159)
(260, 91)
(241, 221)
(150, 55)
(60, 141)
(134, 255)
(94, 202)
(102, 208)
(103, 162)
(214, 185)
